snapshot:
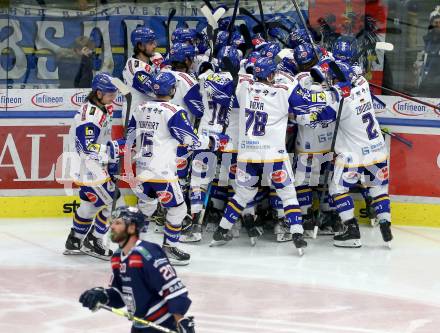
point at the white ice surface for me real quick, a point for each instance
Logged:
(235, 288)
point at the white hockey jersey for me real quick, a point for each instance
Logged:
(263, 118)
(359, 140)
(159, 127)
(89, 133)
(132, 66)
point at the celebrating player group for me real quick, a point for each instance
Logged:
(239, 134)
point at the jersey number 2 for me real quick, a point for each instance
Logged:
(369, 120)
(258, 119)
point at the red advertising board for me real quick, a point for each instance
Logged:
(416, 171)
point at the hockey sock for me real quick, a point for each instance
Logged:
(81, 225)
(276, 203)
(344, 206)
(101, 224)
(171, 233)
(293, 214)
(305, 198)
(381, 205)
(325, 205)
(364, 192)
(233, 211)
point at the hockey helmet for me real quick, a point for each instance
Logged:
(230, 52)
(102, 82)
(181, 51)
(142, 35)
(183, 35)
(345, 49)
(131, 215)
(264, 67)
(163, 83)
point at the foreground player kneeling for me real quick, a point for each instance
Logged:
(143, 279)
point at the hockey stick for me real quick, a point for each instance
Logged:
(231, 24)
(208, 3)
(212, 29)
(406, 142)
(130, 317)
(127, 94)
(247, 39)
(167, 27)
(260, 8)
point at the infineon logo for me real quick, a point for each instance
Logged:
(378, 108)
(79, 98)
(407, 108)
(10, 102)
(45, 100)
(119, 100)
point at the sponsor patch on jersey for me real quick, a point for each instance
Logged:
(242, 175)
(93, 198)
(233, 168)
(279, 176)
(382, 174)
(89, 132)
(182, 163)
(92, 110)
(350, 177)
(164, 196)
(101, 121)
(135, 261)
(116, 263)
(94, 147)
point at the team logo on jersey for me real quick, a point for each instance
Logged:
(182, 163)
(382, 174)
(92, 197)
(350, 177)
(89, 132)
(242, 175)
(164, 196)
(279, 176)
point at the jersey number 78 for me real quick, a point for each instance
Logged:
(257, 120)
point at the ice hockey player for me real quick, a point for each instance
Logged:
(90, 136)
(158, 127)
(361, 157)
(217, 89)
(143, 279)
(141, 66)
(262, 156)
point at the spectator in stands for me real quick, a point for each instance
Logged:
(75, 64)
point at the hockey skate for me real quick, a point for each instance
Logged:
(298, 238)
(94, 247)
(176, 256)
(253, 231)
(159, 219)
(371, 212)
(73, 244)
(385, 230)
(329, 223)
(235, 230)
(192, 235)
(281, 231)
(309, 225)
(351, 237)
(220, 237)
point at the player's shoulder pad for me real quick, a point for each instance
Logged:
(156, 256)
(170, 106)
(90, 113)
(135, 65)
(188, 79)
(143, 250)
(282, 86)
(286, 75)
(245, 78)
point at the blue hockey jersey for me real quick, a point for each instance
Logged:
(145, 282)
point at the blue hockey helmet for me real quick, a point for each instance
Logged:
(184, 35)
(346, 70)
(298, 37)
(180, 52)
(230, 52)
(271, 50)
(130, 215)
(222, 39)
(102, 82)
(264, 67)
(252, 59)
(223, 23)
(304, 56)
(142, 35)
(202, 42)
(345, 49)
(163, 83)
(288, 64)
(237, 38)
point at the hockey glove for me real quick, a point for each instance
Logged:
(116, 149)
(326, 115)
(186, 325)
(93, 297)
(341, 90)
(218, 142)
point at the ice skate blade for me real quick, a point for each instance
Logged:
(217, 243)
(374, 222)
(351, 243)
(175, 262)
(191, 238)
(300, 252)
(72, 252)
(253, 241)
(325, 232)
(388, 245)
(95, 255)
